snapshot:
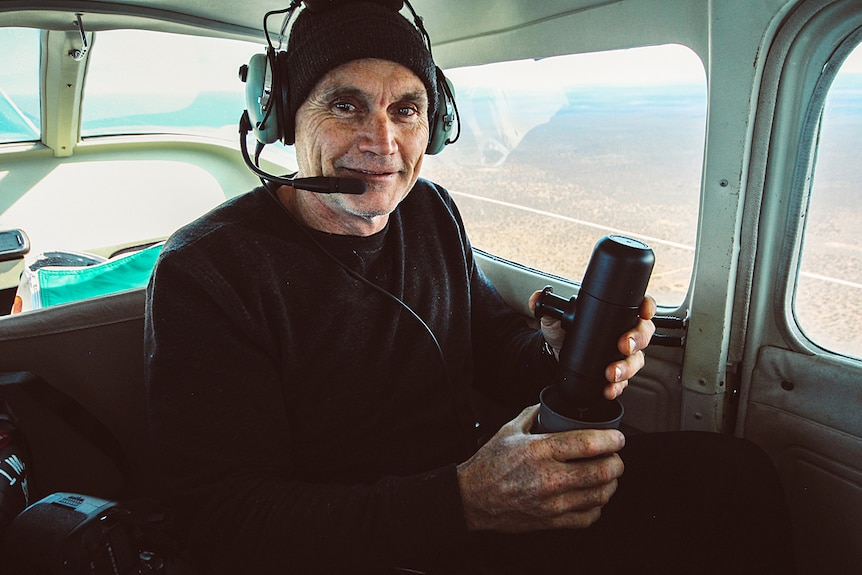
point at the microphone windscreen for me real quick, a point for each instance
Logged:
(325, 185)
(349, 186)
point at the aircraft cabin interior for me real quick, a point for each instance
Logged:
(724, 134)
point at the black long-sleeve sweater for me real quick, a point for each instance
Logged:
(306, 421)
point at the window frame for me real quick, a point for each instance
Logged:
(806, 179)
(805, 60)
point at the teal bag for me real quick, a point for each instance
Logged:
(57, 285)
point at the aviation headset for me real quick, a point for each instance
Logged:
(267, 94)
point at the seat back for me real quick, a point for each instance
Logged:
(73, 375)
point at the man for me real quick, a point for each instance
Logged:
(310, 359)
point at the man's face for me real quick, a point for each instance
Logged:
(366, 119)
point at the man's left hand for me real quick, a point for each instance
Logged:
(631, 344)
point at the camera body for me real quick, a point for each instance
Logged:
(72, 534)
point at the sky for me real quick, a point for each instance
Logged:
(853, 63)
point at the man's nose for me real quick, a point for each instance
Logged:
(378, 134)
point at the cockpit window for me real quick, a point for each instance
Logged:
(19, 85)
(142, 82)
(556, 153)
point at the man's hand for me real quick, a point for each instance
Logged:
(523, 482)
(631, 344)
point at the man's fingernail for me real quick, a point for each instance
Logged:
(618, 373)
(632, 345)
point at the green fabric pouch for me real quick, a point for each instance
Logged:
(59, 285)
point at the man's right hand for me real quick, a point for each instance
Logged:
(519, 481)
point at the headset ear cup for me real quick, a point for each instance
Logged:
(282, 92)
(259, 101)
(444, 119)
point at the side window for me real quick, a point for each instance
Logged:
(556, 153)
(174, 84)
(19, 85)
(828, 299)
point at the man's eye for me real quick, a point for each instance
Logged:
(407, 111)
(343, 106)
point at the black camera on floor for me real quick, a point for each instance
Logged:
(72, 534)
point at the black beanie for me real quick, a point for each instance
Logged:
(322, 40)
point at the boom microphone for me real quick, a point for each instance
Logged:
(320, 184)
(325, 185)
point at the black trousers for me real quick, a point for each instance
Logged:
(687, 503)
